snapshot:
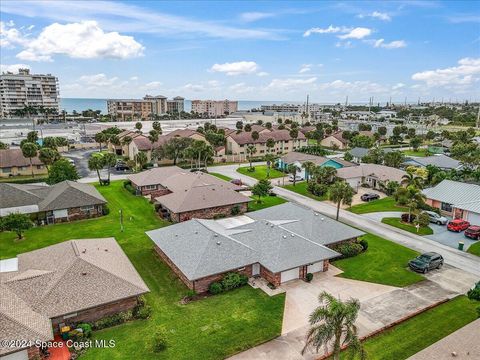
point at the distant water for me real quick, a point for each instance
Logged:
(79, 105)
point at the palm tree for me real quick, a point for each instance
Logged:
(138, 126)
(29, 150)
(157, 127)
(334, 321)
(208, 152)
(255, 135)
(309, 167)
(339, 193)
(48, 156)
(100, 138)
(95, 163)
(269, 158)
(251, 150)
(109, 160)
(293, 170)
(415, 199)
(410, 179)
(141, 159)
(153, 137)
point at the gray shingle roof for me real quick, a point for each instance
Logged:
(382, 172)
(460, 195)
(359, 152)
(441, 161)
(281, 237)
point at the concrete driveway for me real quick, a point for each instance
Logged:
(449, 238)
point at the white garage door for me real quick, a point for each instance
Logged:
(315, 267)
(19, 355)
(289, 275)
(473, 218)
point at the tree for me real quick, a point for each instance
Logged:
(3, 146)
(294, 135)
(95, 163)
(207, 153)
(62, 170)
(261, 189)
(382, 130)
(247, 128)
(269, 158)
(29, 150)
(153, 137)
(109, 160)
(157, 127)
(141, 159)
(415, 198)
(334, 321)
(293, 169)
(270, 144)
(374, 156)
(32, 136)
(16, 222)
(138, 126)
(239, 125)
(309, 167)
(101, 138)
(415, 142)
(255, 135)
(173, 148)
(48, 156)
(251, 150)
(318, 135)
(411, 179)
(362, 141)
(340, 192)
(348, 156)
(325, 174)
(394, 159)
(126, 140)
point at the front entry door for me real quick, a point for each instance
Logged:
(256, 269)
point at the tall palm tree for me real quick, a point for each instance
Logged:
(208, 152)
(309, 167)
(410, 179)
(29, 150)
(95, 163)
(270, 159)
(109, 160)
(293, 169)
(153, 137)
(334, 322)
(48, 156)
(100, 138)
(141, 159)
(339, 193)
(251, 150)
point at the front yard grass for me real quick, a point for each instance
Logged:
(397, 222)
(384, 262)
(474, 249)
(385, 204)
(419, 153)
(266, 201)
(213, 328)
(260, 172)
(417, 333)
(301, 188)
(220, 176)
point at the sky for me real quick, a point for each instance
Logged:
(249, 50)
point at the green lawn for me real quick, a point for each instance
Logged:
(384, 262)
(415, 334)
(385, 204)
(220, 176)
(474, 249)
(266, 202)
(420, 152)
(301, 188)
(260, 172)
(213, 328)
(397, 222)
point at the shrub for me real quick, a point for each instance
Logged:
(251, 169)
(349, 249)
(233, 280)
(317, 189)
(113, 320)
(474, 294)
(364, 244)
(218, 216)
(423, 219)
(215, 288)
(144, 312)
(105, 210)
(309, 277)
(235, 210)
(129, 187)
(406, 219)
(160, 342)
(87, 329)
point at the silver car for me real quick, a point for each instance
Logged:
(435, 218)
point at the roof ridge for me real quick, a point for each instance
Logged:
(25, 326)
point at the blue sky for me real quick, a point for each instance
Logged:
(249, 50)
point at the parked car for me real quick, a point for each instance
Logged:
(435, 218)
(458, 225)
(426, 262)
(369, 197)
(121, 166)
(297, 178)
(473, 232)
(237, 182)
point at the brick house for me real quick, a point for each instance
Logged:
(280, 243)
(181, 195)
(67, 283)
(62, 202)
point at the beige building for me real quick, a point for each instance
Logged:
(142, 109)
(176, 105)
(214, 108)
(13, 163)
(25, 89)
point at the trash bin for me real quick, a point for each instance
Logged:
(460, 245)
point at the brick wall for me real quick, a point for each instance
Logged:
(96, 313)
(325, 265)
(209, 213)
(273, 278)
(172, 266)
(78, 214)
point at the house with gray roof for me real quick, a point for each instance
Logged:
(280, 243)
(441, 161)
(457, 199)
(65, 201)
(374, 175)
(67, 283)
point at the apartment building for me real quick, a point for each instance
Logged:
(143, 109)
(176, 105)
(214, 108)
(25, 89)
(294, 108)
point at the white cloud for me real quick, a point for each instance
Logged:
(194, 87)
(13, 68)
(134, 78)
(398, 86)
(356, 33)
(380, 43)
(236, 68)
(465, 74)
(255, 16)
(9, 35)
(241, 88)
(153, 85)
(377, 15)
(84, 40)
(352, 87)
(305, 68)
(330, 30)
(290, 84)
(97, 80)
(344, 44)
(262, 74)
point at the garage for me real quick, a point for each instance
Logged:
(473, 218)
(316, 267)
(289, 275)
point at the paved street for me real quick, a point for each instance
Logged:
(454, 257)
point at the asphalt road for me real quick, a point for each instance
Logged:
(454, 257)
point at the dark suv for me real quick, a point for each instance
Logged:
(369, 197)
(426, 262)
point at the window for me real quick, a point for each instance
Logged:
(87, 208)
(150, 187)
(446, 207)
(6, 170)
(39, 167)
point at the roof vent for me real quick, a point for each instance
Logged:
(284, 236)
(272, 226)
(196, 232)
(218, 243)
(106, 250)
(216, 235)
(322, 219)
(84, 251)
(84, 273)
(293, 235)
(316, 214)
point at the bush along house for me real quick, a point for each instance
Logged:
(279, 244)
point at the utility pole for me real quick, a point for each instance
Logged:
(308, 112)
